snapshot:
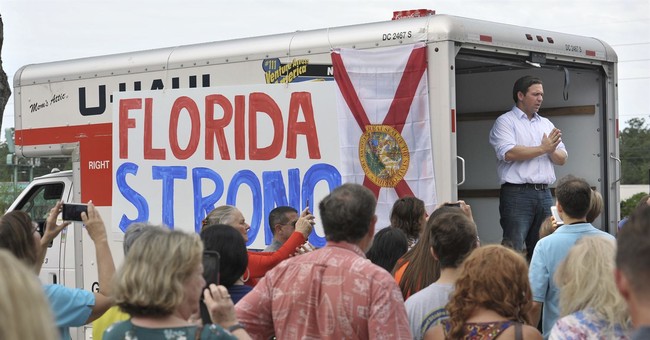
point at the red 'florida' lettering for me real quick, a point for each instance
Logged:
(127, 123)
(190, 107)
(233, 117)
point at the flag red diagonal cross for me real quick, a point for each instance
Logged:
(398, 110)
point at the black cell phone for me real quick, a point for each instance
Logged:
(72, 211)
(457, 204)
(307, 204)
(211, 260)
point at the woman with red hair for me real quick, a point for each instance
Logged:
(492, 298)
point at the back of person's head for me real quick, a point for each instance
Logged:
(453, 237)
(591, 257)
(574, 194)
(522, 84)
(24, 310)
(220, 215)
(152, 278)
(233, 259)
(17, 236)
(633, 252)
(279, 216)
(492, 277)
(423, 269)
(408, 214)
(388, 245)
(347, 213)
(133, 231)
(233, 255)
(595, 207)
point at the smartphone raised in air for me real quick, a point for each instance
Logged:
(72, 211)
(556, 215)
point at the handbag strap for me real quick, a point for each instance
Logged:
(518, 332)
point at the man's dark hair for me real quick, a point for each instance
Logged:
(633, 251)
(279, 216)
(574, 194)
(453, 237)
(347, 212)
(522, 84)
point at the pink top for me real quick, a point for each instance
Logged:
(331, 293)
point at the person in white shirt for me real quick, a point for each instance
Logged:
(527, 147)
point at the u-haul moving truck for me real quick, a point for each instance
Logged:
(169, 173)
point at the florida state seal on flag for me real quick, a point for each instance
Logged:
(384, 126)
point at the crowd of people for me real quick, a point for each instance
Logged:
(422, 277)
(578, 282)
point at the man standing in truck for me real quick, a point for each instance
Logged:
(527, 147)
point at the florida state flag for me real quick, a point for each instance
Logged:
(383, 119)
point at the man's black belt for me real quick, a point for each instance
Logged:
(534, 186)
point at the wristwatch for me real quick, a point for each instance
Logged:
(235, 327)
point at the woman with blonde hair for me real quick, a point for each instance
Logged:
(24, 311)
(492, 298)
(160, 285)
(590, 305)
(595, 207)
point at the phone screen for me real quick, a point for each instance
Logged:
(556, 215)
(72, 212)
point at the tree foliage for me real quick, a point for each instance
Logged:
(635, 152)
(10, 188)
(5, 90)
(628, 205)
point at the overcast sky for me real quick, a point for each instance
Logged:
(38, 31)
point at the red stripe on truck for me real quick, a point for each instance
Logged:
(61, 134)
(95, 149)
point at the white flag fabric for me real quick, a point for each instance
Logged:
(384, 124)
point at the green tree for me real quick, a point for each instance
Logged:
(5, 170)
(635, 152)
(5, 89)
(628, 205)
(9, 189)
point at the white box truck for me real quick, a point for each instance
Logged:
(165, 168)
